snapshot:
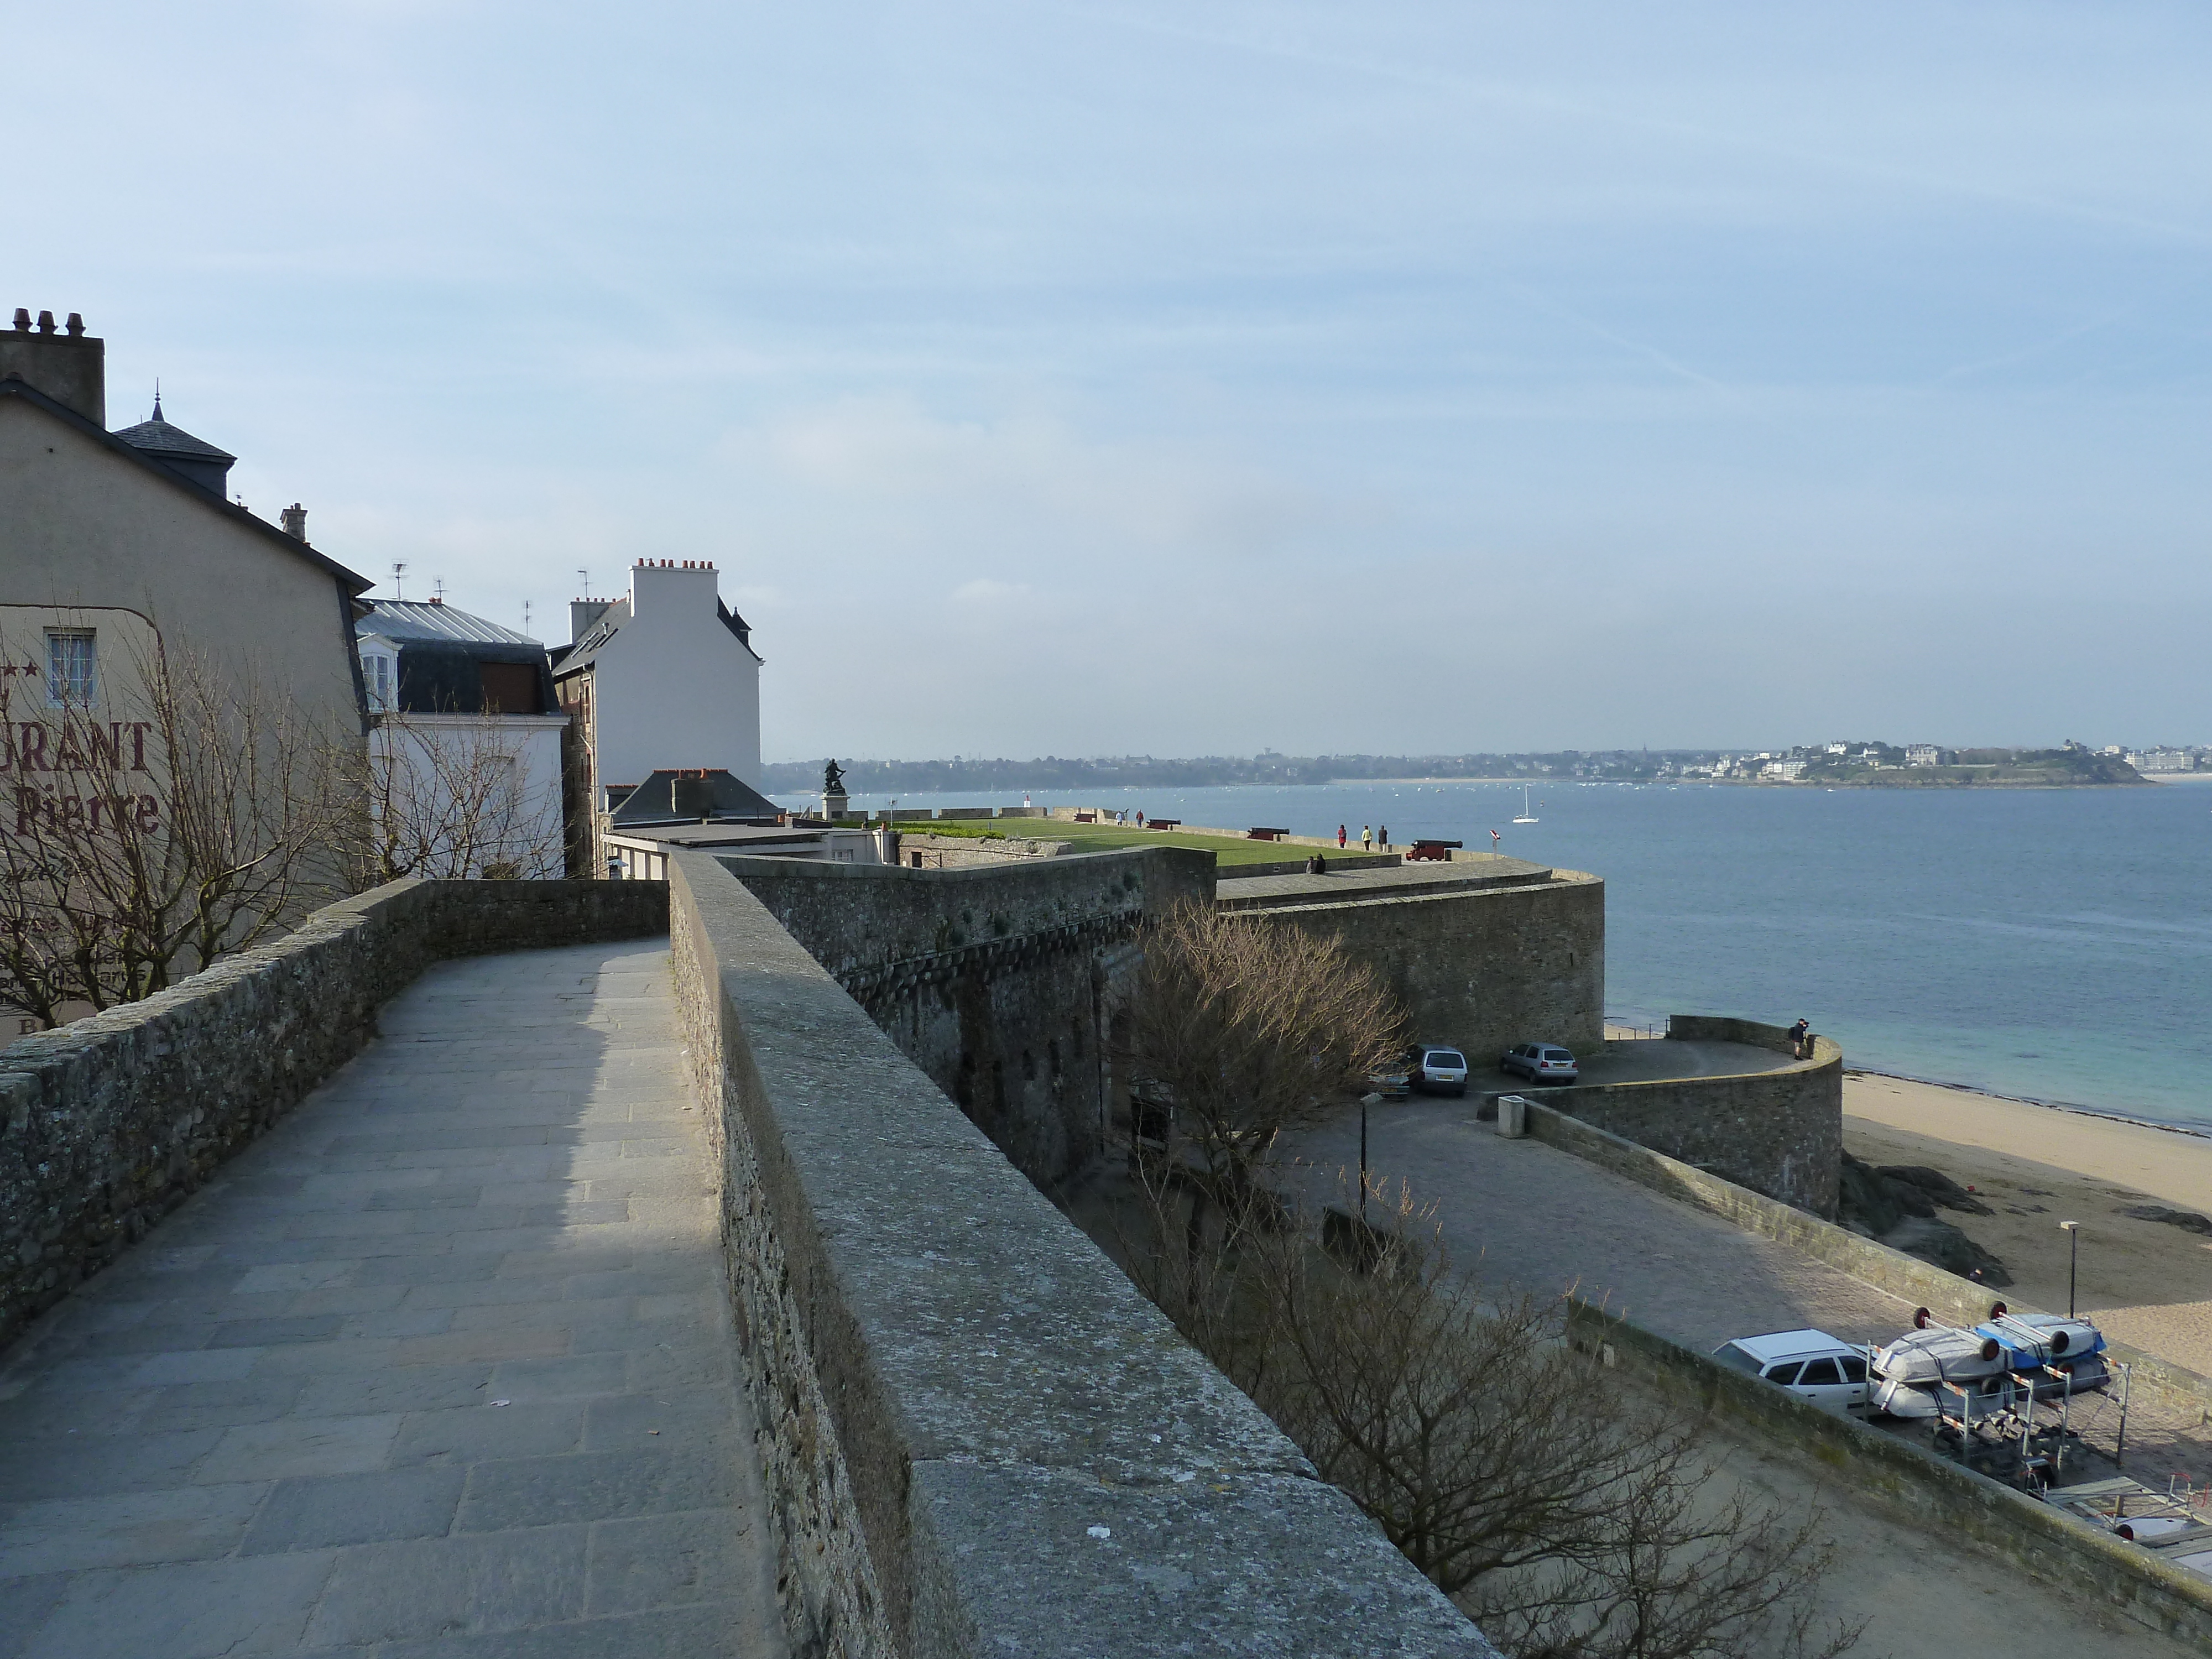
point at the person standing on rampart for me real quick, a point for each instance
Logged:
(1367, 839)
(1800, 1038)
(1340, 835)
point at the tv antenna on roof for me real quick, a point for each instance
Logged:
(398, 570)
(584, 583)
(525, 615)
(438, 585)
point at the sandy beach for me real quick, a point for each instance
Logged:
(2149, 1282)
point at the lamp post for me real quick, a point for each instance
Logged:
(2073, 1232)
(1366, 1101)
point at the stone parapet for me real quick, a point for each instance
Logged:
(979, 1439)
(1780, 1133)
(110, 1122)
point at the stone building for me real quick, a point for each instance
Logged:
(121, 550)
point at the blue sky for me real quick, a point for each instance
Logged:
(1091, 379)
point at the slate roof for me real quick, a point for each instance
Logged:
(729, 797)
(158, 437)
(610, 622)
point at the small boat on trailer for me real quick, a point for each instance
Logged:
(2052, 1356)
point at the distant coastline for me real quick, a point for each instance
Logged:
(1834, 766)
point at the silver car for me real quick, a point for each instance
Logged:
(1540, 1062)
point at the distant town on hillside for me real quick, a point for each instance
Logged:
(1857, 764)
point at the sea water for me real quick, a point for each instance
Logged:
(2052, 944)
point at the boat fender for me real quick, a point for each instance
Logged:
(1989, 1348)
(2058, 1341)
(1920, 1319)
(1998, 1310)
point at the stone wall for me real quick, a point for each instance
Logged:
(1962, 1507)
(109, 1123)
(1485, 969)
(978, 1438)
(1000, 982)
(1779, 1132)
(1953, 1300)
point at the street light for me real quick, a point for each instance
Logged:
(2073, 1232)
(1366, 1101)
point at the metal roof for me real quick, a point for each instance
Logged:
(422, 619)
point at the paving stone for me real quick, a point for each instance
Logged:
(125, 1530)
(591, 1486)
(302, 1445)
(245, 1606)
(395, 1388)
(357, 1509)
(453, 1586)
(488, 1431)
(81, 1465)
(664, 1561)
(457, 1217)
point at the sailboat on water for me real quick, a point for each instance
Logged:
(1524, 817)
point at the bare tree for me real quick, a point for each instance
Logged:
(1249, 1027)
(136, 851)
(450, 798)
(1569, 1515)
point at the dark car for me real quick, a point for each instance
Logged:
(1434, 1070)
(1540, 1062)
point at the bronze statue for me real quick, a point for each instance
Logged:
(833, 778)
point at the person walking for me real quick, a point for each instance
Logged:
(1340, 835)
(1801, 1037)
(1367, 839)
(1383, 840)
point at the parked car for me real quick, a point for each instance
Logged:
(1812, 1364)
(1392, 1082)
(1437, 1071)
(1540, 1062)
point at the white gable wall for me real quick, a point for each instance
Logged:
(675, 687)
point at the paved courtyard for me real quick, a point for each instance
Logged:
(441, 1368)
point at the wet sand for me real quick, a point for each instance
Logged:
(2149, 1283)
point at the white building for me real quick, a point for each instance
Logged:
(2163, 760)
(1922, 754)
(665, 679)
(465, 745)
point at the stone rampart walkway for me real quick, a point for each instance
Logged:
(441, 1368)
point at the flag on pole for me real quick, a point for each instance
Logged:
(1494, 839)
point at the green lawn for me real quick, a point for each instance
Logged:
(1098, 837)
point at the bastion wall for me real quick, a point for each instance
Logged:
(1485, 967)
(1000, 982)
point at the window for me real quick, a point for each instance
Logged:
(72, 678)
(1854, 1370)
(1819, 1372)
(1784, 1373)
(376, 672)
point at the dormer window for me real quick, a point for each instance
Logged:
(377, 679)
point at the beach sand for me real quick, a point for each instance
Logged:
(2148, 1283)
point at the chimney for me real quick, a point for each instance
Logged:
(294, 518)
(582, 613)
(70, 367)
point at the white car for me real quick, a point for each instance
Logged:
(1812, 1364)
(1444, 1070)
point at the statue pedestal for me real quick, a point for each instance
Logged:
(833, 805)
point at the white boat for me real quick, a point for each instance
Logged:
(1524, 817)
(2061, 1356)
